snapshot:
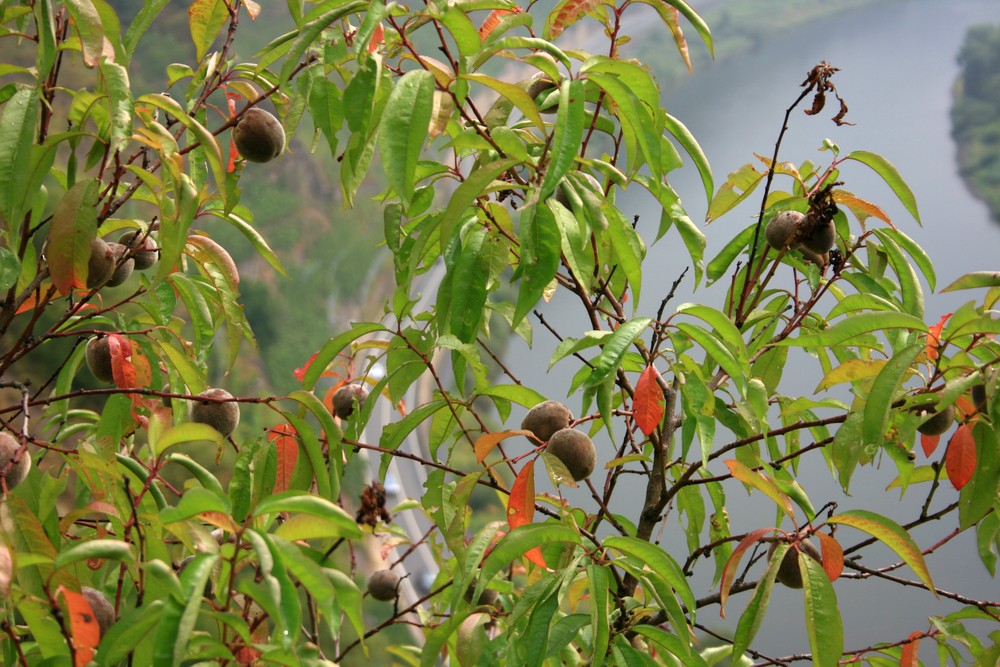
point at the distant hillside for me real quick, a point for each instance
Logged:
(975, 115)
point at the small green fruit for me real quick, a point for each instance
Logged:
(939, 423)
(344, 398)
(99, 359)
(576, 451)
(789, 573)
(101, 606)
(18, 470)
(222, 416)
(144, 250)
(101, 264)
(546, 418)
(382, 585)
(259, 136)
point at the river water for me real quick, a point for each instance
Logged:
(898, 64)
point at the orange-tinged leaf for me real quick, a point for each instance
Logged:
(929, 443)
(861, 208)
(253, 9)
(965, 407)
(493, 20)
(672, 18)
(121, 361)
(911, 650)
(729, 571)
(960, 457)
(893, 536)
(833, 555)
(566, 13)
(934, 338)
(487, 441)
(83, 626)
(647, 408)
(287, 446)
(762, 483)
(521, 507)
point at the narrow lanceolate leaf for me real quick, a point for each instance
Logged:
(752, 617)
(972, 280)
(762, 483)
(892, 535)
(540, 252)
(567, 135)
(738, 186)
(883, 392)
(891, 176)
(74, 225)
(521, 507)
(960, 458)
(857, 325)
(83, 626)
(733, 564)
(93, 42)
(409, 110)
(823, 624)
(17, 132)
(908, 657)
(103, 549)
(487, 441)
(647, 407)
(614, 350)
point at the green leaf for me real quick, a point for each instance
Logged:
(515, 543)
(400, 141)
(140, 24)
(131, 629)
(609, 360)
(600, 611)
(120, 108)
(74, 225)
(690, 144)
(514, 94)
(892, 535)
(88, 25)
(187, 432)
(823, 624)
(296, 501)
(661, 564)
(719, 265)
(206, 18)
(884, 389)
(673, 643)
(719, 352)
(628, 249)
(255, 238)
(857, 325)
(327, 488)
(472, 188)
(208, 142)
(909, 285)
(738, 186)
(540, 253)
(920, 258)
(468, 287)
(104, 549)
(567, 135)
(333, 347)
(891, 176)
(753, 616)
(974, 280)
(194, 502)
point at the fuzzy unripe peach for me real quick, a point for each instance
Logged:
(576, 451)
(259, 136)
(16, 470)
(789, 573)
(546, 418)
(382, 585)
(344, 398)
(224, 417)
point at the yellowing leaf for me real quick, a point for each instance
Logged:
(851, 371)
(487, 441)
(762, 483)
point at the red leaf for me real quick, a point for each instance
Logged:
(83, 626)
(960, 458)
(493, 20)
(729, 571)
(521, 507)
(934, 338)
(283, 437)
(908, 656)
(300, 372)
(833, 555)
(231, 100)
(929, 443)
(647, 408)
(377, 38)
